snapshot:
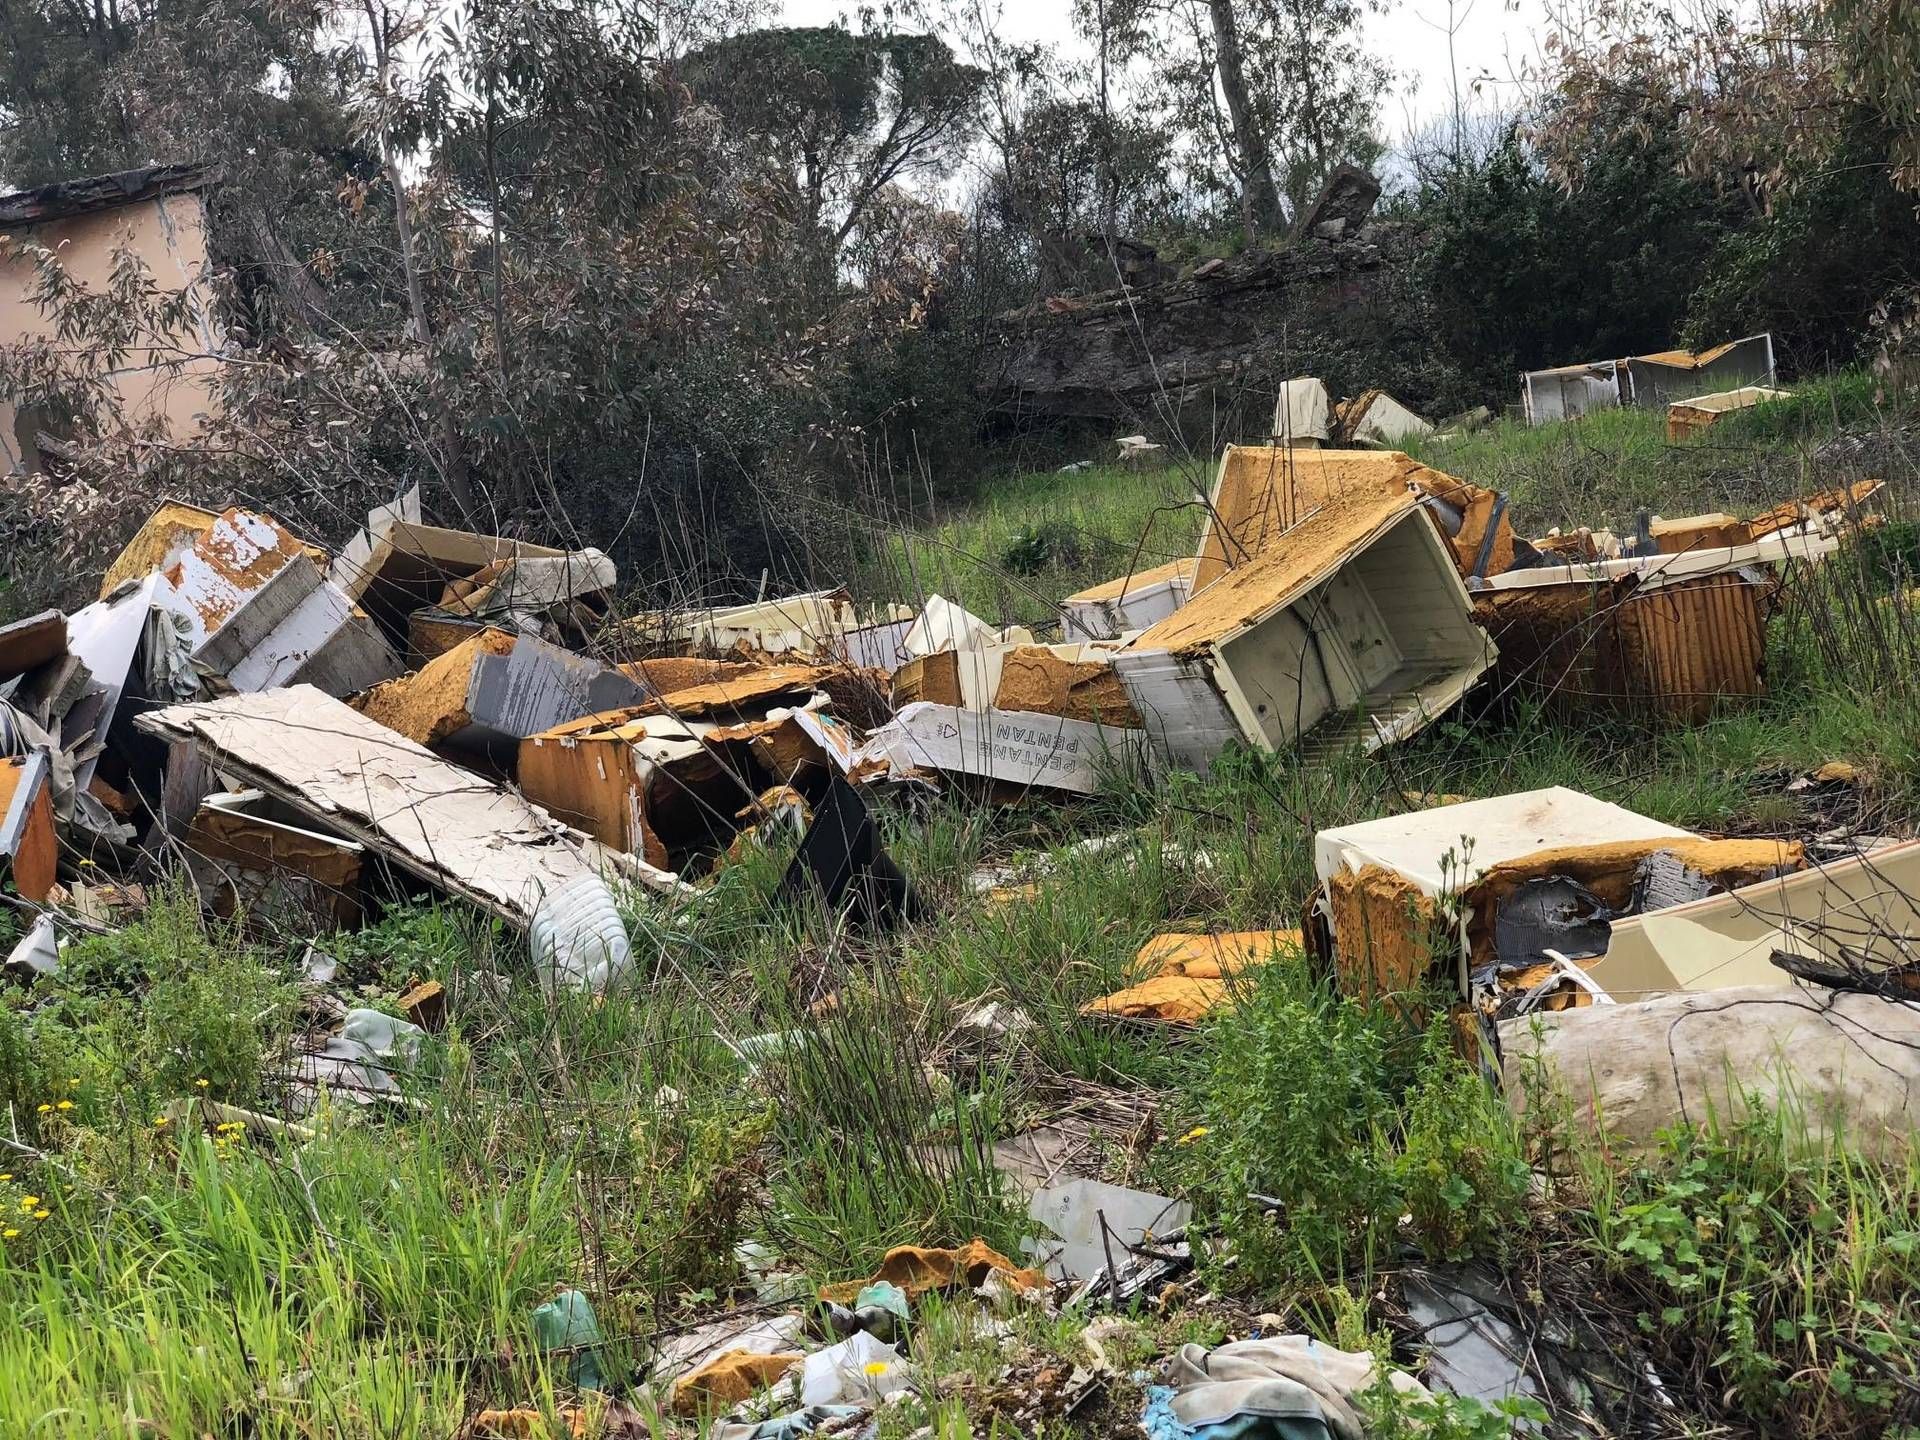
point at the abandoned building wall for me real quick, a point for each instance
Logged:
(167, 233)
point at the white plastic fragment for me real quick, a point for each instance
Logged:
(860, 1369)
(38, 950)
(577, 937)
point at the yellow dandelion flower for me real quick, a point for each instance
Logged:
(27, 1202)
(1199, 1132)
(41, 1214)
(8, 1233)
(43, 1108)
(8, 1175)
(160, 1120)
(64, 1105)
(877, 1367)
(74, 1081)
(202, 1083)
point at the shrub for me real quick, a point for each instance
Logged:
(1300, 1108)
(207, 1009)
(1050, 543)
(1461, 1171)
(1781, 1265)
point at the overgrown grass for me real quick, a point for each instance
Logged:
(1025, 541)
(379, 1279)
(1600, 470)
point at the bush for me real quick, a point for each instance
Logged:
(1890, 554)
(1461, 1171)
(1342, 1118)
(182, 1004)
(411, 943)
(1523, 273)
(1779, 1264)
(1300, 1109)
(1035, 548)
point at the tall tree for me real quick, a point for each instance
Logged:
(260, 90)
(1078, 160)
(850, 114)
(1259, 196)
(1269, 95)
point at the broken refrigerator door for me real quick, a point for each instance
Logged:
(1367, 646)
(1373, 643)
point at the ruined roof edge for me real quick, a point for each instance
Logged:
(65, 198)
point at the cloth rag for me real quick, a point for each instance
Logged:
(1281, 1387)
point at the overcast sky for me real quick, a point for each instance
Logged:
(1494, 39)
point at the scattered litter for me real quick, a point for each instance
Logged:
(842, 862)
(1488, 1338)
(106, 905)
(1132, 602)
(26, 645)
(493, 691)
(567, 1323)
(1352, 613)
(1015, 747)
(1138, 450)
(1302, 414)
(773, 1284)
(881, 1309)
(398, 566)
(918, 1270)
(38, 951)
(246, 861)
(1375, 418)
(729, 1379)
(317, 967)
(995, 1020)
(1654, 381)
(360, 1062)
(1182, 979)
(251, 1122)
(1073, 681)
(28, 839)
(1859, 912)
(425, 1004)
(345, 772)
(1488, 888)
(1472, 1351)
(1834, 772)
(683, 1354)
(943, 625)
(671, 777)
(813, 1420)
